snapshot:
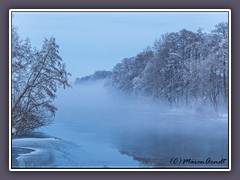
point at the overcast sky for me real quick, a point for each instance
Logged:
(91, 41)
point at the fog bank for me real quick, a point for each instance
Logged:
(149, 133)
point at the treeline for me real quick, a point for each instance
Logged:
(180, 68)
(96, 76)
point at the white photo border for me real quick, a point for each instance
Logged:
(119, 10)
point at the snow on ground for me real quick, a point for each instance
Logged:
(50, 152)
(43, 152)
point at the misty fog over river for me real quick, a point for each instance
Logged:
(94, 128)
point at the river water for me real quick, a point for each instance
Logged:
(94, 130)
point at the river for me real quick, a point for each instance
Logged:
(94, 130)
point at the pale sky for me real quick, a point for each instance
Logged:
(91, 41)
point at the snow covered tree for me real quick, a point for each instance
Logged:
(36, 75)
(141, 61)
(220, 50)
(123, 75)
(181, 68)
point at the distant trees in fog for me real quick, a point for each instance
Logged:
(36, 75)
(97, 75)
(180, 68)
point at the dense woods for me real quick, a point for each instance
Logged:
(181, 68)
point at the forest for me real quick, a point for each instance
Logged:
(182, 68)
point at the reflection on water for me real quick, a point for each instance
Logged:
(146, 161)
(199, 145)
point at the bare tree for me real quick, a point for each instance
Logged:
(36, 75)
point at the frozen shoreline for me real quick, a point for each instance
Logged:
(56, 153)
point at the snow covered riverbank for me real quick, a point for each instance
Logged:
(57, 153)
